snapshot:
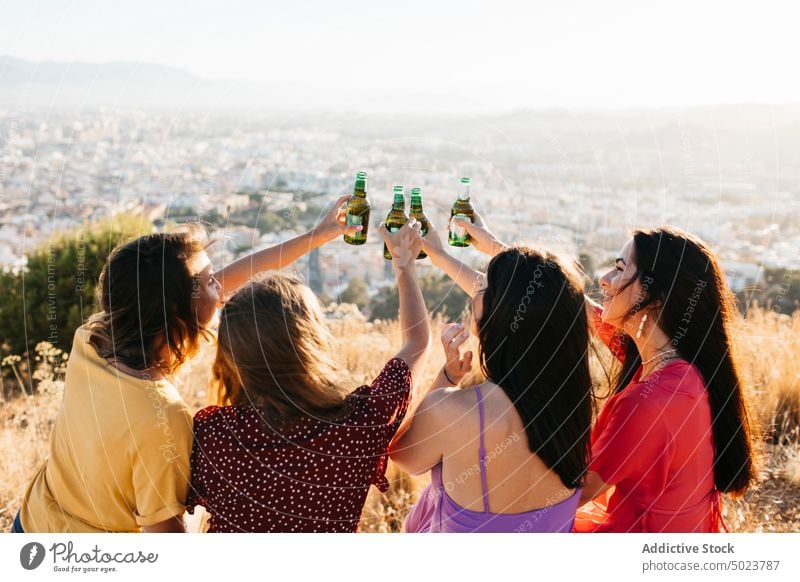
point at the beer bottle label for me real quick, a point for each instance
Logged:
(458, 232)
(354, 219)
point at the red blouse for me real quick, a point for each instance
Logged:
(312, 475)
(653, 441)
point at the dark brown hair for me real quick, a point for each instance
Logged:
(534, 339)
(696, 309)
(274, 352)
(145, 294)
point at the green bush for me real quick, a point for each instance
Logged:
(356, 292)
(440, 293)
(55, 293)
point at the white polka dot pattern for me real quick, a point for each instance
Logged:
(311, 475)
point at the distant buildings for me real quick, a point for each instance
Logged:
(742, 276)
(569, 190)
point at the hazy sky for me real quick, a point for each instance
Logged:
(560, 53)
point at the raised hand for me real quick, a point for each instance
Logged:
(456, 365)
(482, 238)
(404, 245)
(432, 242)
(333, 222)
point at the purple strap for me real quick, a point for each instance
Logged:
(482, 453)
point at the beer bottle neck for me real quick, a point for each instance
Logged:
(464, 194)
(399, 202)
(361, 184)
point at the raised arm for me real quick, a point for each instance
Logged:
(480, 236)
(419, 441)
(331, 225)
(413, 317)
(462, 274)
(484, 240)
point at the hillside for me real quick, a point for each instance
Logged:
(770, 344)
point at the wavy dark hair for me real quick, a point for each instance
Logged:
(696, 309)
(534, 340)
(145, 296)
(274, 352)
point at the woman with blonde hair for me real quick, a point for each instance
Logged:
(291, 446)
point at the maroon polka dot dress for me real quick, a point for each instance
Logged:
(311, 475)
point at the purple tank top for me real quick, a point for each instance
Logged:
(437, 512)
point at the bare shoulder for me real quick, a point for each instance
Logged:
(443, 405)
(465, 398)
(453, 405)
(453, 397)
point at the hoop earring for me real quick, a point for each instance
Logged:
(641, 326)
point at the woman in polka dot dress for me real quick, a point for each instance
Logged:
(291, 448)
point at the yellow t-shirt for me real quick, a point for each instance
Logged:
(119, 452)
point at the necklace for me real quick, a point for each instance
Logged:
(665, 357)
(657, 356)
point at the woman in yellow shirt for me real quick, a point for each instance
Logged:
(120, 445)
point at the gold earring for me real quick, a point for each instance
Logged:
(641, 326)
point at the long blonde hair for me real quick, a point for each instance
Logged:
(274, 352)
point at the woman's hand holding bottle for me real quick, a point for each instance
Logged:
(332, 224)
(404, 244)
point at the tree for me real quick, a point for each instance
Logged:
(778, 290)
(355, 292)
(55, 293)
(324, 298)
(440, 293)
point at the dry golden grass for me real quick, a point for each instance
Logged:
(770, 349)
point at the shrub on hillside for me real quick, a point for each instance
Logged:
(55, 292)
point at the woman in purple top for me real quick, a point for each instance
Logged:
(507, 455)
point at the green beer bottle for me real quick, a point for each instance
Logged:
(397, 216)
(358, 211)
(416, 212)
(462, 208)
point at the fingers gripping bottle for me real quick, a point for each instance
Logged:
(462, 208)
(419, 215)
(397, 216)
(358, 211)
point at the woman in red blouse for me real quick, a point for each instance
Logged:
(676, 433)
(291, 449)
